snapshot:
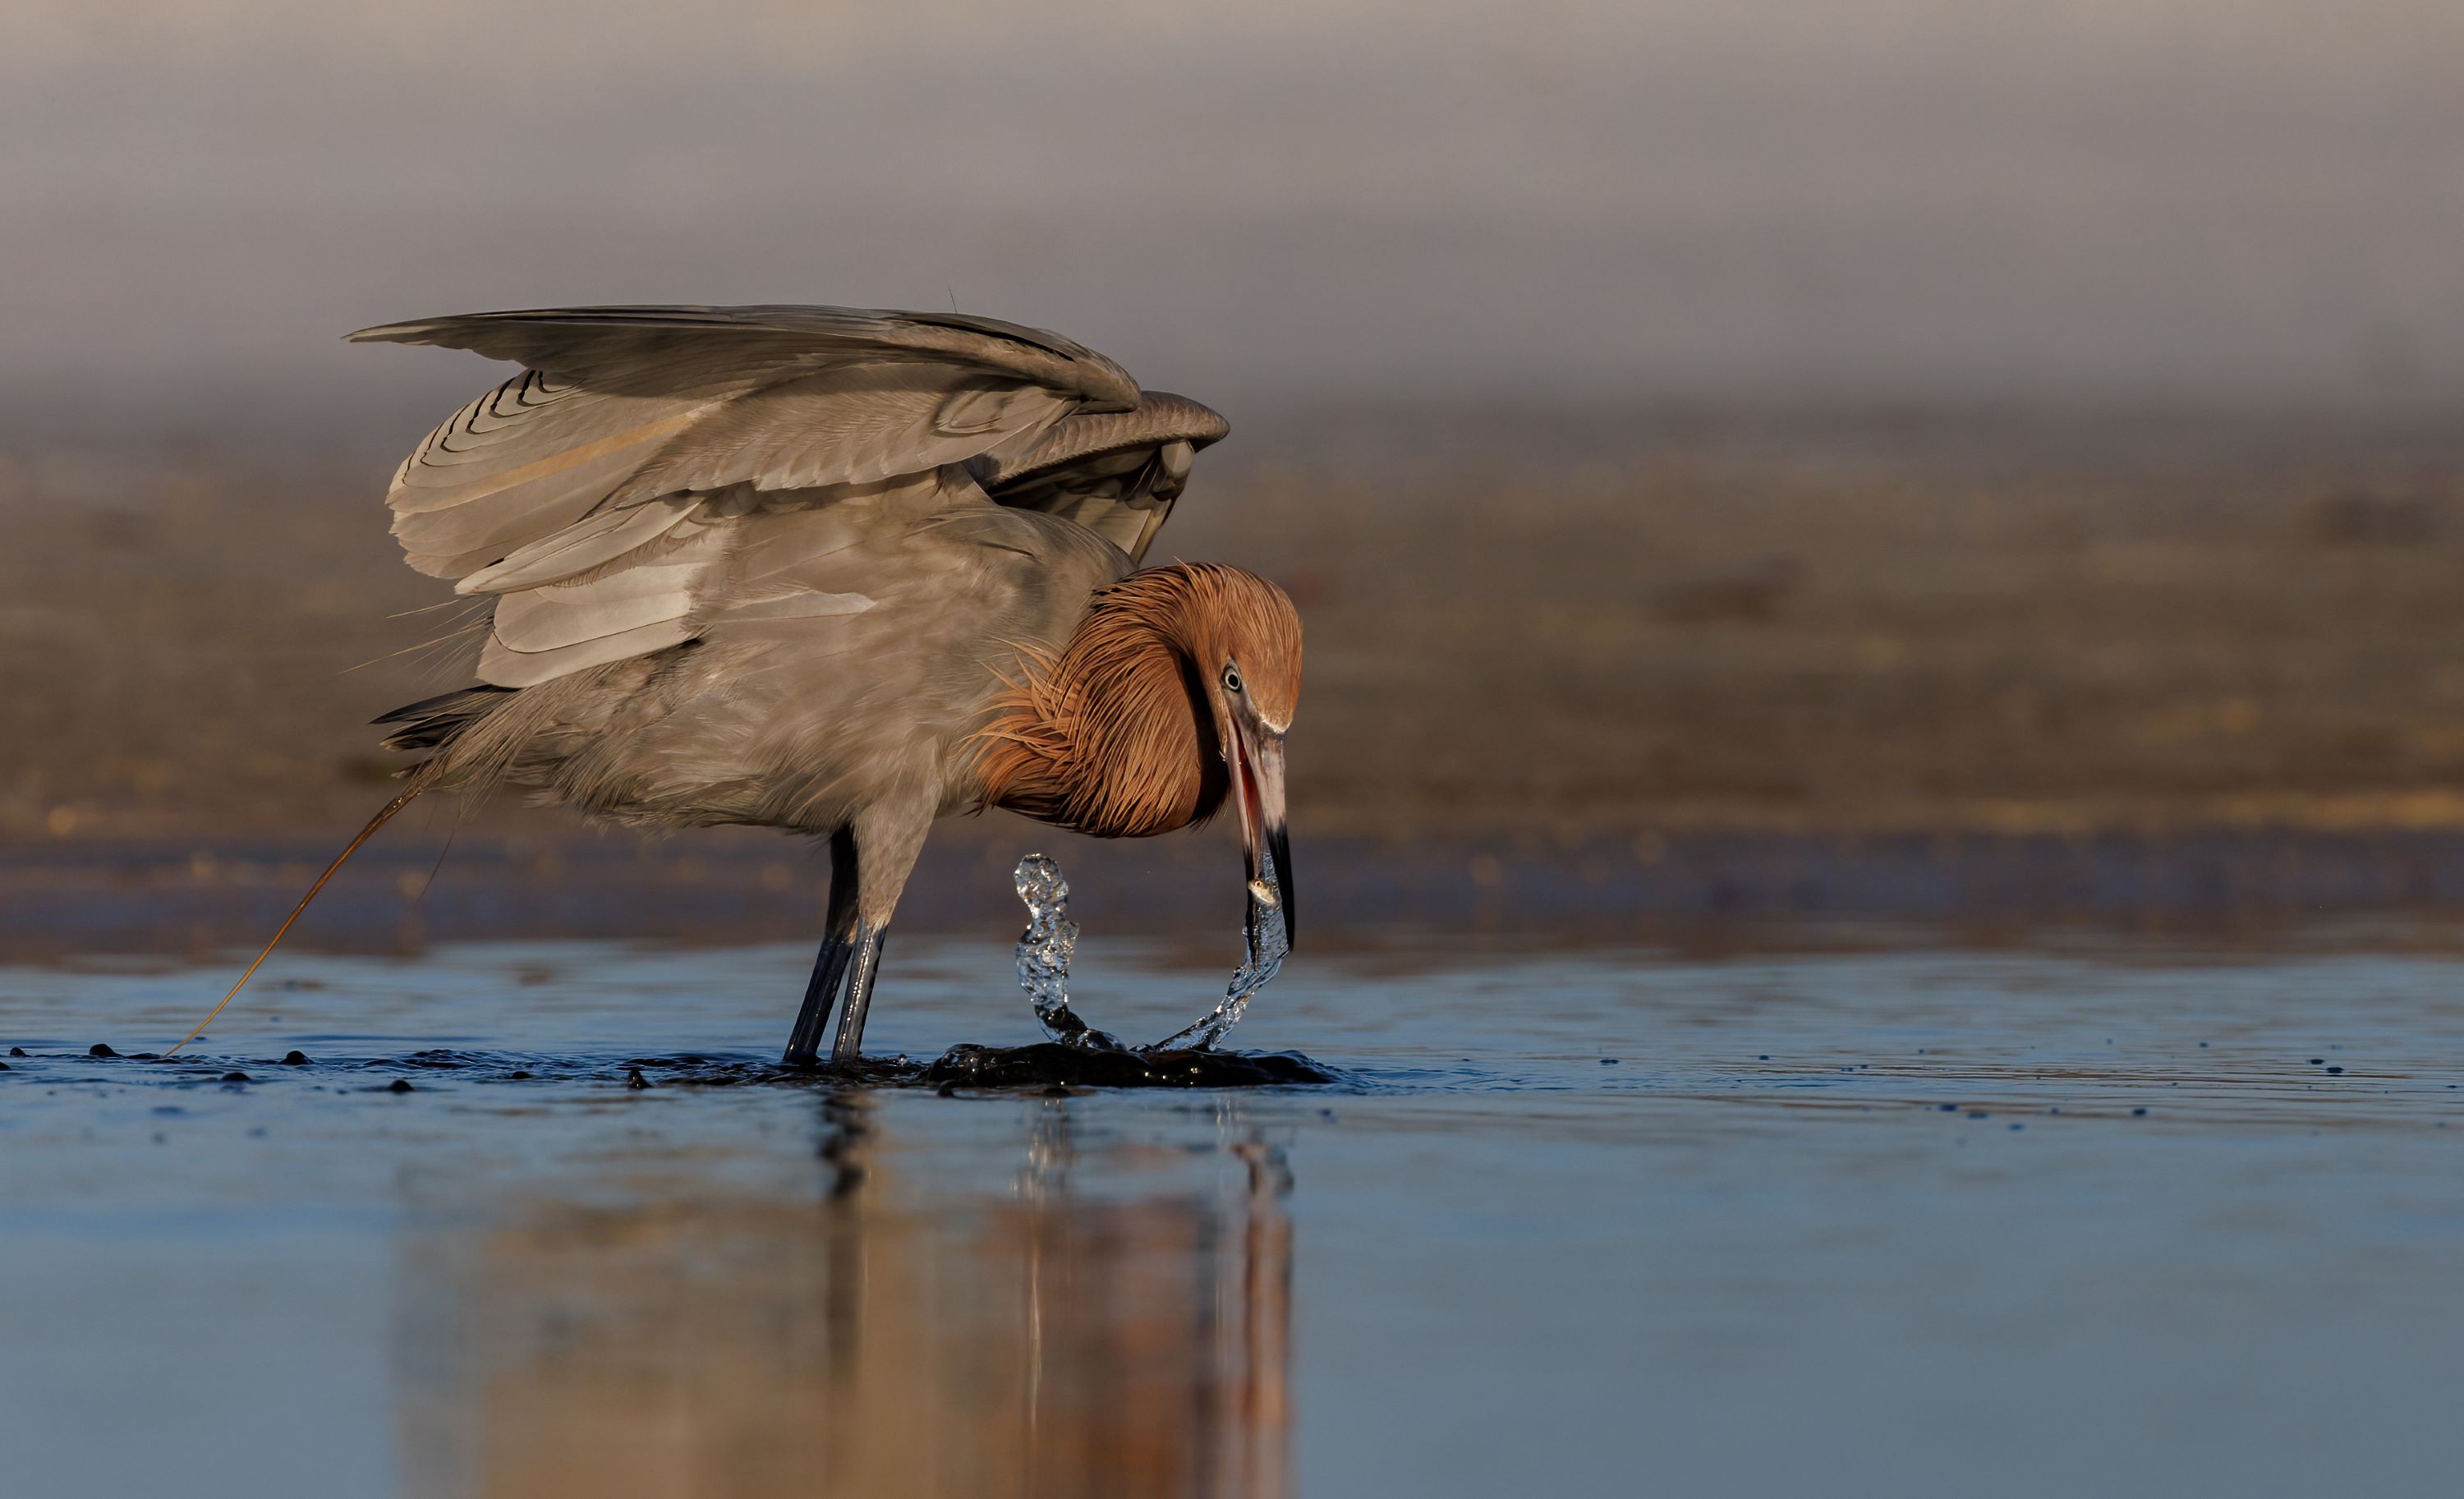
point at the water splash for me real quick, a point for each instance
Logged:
(1045, 948)
(1050, 941)
(1269, 941)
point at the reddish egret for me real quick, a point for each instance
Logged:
(838, 572)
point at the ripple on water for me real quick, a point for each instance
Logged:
(1582, 1205)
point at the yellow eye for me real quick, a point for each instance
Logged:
(1232, 679)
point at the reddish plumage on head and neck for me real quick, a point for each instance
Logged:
(1171, 697)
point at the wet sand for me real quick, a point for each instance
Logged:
(2114, 1218)
(1656, 630)
(1671, 677)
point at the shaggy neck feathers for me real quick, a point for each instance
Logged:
(1121, 735)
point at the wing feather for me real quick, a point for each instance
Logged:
(529, 430)
(589, 544)
(560, 614)
(1116, 473)
(612, 494)
(710, 560)
(501, 666)
(850, 426)
(669, 349)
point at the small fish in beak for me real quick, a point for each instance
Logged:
(1265, 843)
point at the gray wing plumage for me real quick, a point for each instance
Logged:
(1116, 473)
(670, 348)
(605, 494)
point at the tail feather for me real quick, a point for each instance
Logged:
(434, 722)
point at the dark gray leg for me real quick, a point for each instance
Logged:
(821, 997)
(829, 968)
(869, 942)
(871, 863)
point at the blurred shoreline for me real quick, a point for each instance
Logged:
(1543, 643)
(1702, 893)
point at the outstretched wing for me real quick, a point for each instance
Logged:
(622, 405)
(1116, 473)
(584, 488)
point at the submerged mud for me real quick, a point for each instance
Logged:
(1052, 1064)
(1044, 1064)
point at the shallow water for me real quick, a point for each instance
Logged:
(1607, 1222)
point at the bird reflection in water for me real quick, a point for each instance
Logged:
(1108, 1319)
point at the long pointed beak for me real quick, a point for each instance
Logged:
(1264, 840)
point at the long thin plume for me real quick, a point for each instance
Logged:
(465, 627)
(385, 815)
(463, 807)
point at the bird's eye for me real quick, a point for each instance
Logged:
(1231, 678)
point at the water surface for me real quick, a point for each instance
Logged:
(2102, 1219)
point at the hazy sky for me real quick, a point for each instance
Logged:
(2213, 201)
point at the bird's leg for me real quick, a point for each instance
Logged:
(869, 942)
(888, 835)
(821, 997)
(829, 968)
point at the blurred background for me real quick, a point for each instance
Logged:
(1880, 793)
(1897, 456)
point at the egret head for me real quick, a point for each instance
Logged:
(1170, 702)
(1244, 638)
